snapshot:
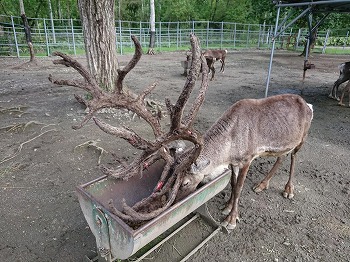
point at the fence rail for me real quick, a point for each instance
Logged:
(66, 35)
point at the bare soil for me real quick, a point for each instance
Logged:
(40, 163)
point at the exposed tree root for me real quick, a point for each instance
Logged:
(27, 65)
(23, 126)
(150, 51)
(93, 143)
(19, 149)
(15, 109)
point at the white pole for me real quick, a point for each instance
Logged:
(46, 39)
(73, 39)
(325, 42)
(272, 51)
(15, 35)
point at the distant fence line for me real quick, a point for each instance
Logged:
(66, 35)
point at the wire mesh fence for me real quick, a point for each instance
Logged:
(66, 35)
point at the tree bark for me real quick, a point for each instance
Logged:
(153, 29)
(313, 37)
(97, 17)
(27, 32)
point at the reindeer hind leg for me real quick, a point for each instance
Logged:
(264, 184)
(222, 69)
(289, 187)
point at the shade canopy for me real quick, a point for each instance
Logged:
(322, 6)
(298, 9)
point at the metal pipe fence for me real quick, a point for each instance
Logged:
(66, 35)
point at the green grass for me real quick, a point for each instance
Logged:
(130, 50)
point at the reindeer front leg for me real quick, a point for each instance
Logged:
(231, 209)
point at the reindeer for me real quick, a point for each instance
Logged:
(344, 75)
(274, 126)
(345, 89)
(187, 64)
(217, 55)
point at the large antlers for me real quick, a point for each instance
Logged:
(180, 129)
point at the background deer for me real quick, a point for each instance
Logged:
(273, 126)
(187, 64)
(344, 75)
(217, 55)
(345, 89)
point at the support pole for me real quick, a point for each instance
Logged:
(272, 51)
(46, 39)
(15, 35)
(309, 20)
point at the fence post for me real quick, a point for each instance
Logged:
(325, 42)
(346, 39)
(298, 38)
(234, 35)
(177, 35)
(120, 37)
(247, 43)
(160, 36)
(207, 33)
(140, 37)
(222, 34)
(73, 38)
(15, 35)
(169, 39)
(46, 39)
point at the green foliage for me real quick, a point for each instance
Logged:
(180, 10)
(239, 11)
(40, 8)
(334, 41)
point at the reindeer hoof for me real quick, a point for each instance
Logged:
(288, 195)
(226, 211)
(260, 187)
(334, 97)
(228, 226)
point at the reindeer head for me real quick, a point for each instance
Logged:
(192, 179)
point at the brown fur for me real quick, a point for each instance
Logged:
(217, 55)
(344, 75)
(345, 89)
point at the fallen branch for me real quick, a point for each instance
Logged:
(19, 149)
(23, 126)
(15, 109)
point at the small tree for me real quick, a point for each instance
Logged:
(27, 32)
(153, 28)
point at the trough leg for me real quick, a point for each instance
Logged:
(205, 214)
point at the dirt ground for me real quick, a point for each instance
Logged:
(40, 163)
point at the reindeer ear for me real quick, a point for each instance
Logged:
(199, 166)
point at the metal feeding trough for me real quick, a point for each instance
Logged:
(117, 240)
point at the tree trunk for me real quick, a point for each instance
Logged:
(97, 17)
(153, 29)
(313, 37)
(27, 32)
